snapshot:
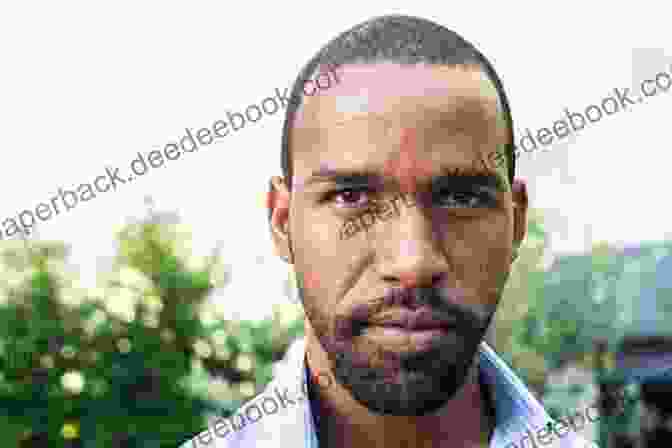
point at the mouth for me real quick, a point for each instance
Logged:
(404, 340)
(418, 327)
(417, 320)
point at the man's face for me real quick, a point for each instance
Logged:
(400, 307)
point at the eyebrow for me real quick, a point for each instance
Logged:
(470, 177)
(447, 176)
(345, 178)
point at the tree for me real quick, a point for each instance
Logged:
(133, 363)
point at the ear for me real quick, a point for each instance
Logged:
(520, 204)
(277, 202)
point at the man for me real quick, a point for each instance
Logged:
(397, 309)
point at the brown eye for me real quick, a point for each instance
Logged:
(350, 197)
(464, 199)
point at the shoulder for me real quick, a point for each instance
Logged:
(279, 416)
(261, 422)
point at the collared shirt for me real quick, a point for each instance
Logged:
(281, 416)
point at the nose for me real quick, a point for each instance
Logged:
(410, 250)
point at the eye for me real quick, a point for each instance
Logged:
(465, 199)
(349, 197)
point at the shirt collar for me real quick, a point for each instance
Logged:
(518, 415)
(516, 410)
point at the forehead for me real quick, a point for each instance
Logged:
(452, 113)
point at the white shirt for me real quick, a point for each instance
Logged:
(281, 415)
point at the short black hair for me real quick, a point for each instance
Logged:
(399, 39)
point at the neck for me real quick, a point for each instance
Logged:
(462, 422)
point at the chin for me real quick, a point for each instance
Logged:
(420, 384)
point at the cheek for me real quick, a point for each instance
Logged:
(324, 281)
(327, 260)
(316, 298)
(311, 281)
(493, 231)
(315, 309)
(481, 249)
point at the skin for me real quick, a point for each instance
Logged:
(451, 252)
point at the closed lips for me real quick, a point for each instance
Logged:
(414, 320)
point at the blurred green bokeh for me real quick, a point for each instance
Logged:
(133, 363)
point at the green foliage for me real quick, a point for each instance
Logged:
(600, 295)
(108, 376)
(550, 316)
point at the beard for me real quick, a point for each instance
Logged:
(408, 380)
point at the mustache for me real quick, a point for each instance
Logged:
(436, 304)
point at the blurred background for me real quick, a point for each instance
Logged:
(145, 359)
(135, 318)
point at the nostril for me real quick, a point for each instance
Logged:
(437, 279)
